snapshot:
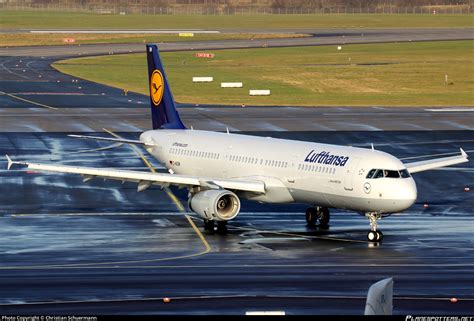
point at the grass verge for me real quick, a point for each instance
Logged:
(74, 20)
(399, 74)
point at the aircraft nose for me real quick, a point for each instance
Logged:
(410, 192)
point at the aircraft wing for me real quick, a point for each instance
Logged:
(436, 163)
(146, 179)
(117, 140)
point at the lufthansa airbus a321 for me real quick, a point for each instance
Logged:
(220, 169)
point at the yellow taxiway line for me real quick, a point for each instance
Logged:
(170, 194)
(27, 100)
(198, 232)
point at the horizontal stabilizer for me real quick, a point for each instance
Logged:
(10, 162)
(116, 140)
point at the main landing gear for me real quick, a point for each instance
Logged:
(318, 213)
(374, 235)
(209, 226)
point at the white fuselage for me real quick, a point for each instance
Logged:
(293, 171)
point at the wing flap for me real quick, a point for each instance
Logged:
(437, 163)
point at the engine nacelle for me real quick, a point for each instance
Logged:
(217, 205)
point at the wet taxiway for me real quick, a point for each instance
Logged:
(101, 247)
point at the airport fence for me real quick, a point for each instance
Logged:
(214, 10)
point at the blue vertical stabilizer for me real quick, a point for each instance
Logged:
(163, 109)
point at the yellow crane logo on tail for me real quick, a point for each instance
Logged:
(156, 87)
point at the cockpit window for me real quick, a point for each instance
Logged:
(404, 173)
(380, 173)
(391, 174)
(371, 173)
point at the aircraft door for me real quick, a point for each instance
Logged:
(350, 174)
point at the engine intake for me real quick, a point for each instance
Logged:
(217, 205)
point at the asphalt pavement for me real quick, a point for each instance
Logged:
(101, 247)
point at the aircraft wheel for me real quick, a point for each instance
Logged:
(372, 236)
(323, 217)
(222, 227)
(311, 216)
(375, 236)
(209, 226)
(380, 234)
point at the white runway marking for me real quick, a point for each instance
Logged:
(450, 109)
(271, 127)
(457, 125)
(142, 31)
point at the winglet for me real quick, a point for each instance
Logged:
(380, 298)
(463, 153)
(10, 162)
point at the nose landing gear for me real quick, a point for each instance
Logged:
(374, 235)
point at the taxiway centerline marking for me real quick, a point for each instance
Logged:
(203, 239)
(28, 101)
(152, 169)
(170, 195)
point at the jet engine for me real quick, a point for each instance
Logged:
(217, 205)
